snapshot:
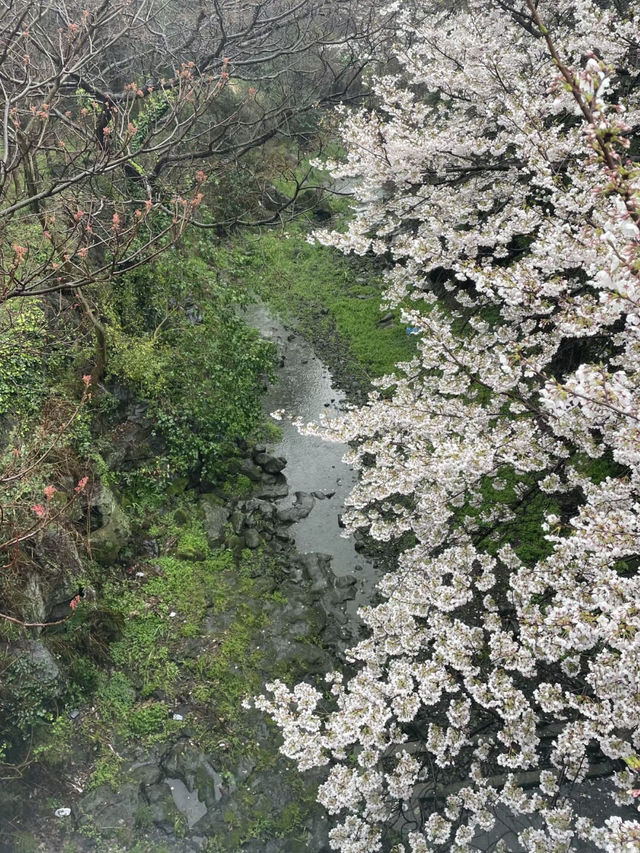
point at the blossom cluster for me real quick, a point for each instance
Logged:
(494, 171)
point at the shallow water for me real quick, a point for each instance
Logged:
(304, 389)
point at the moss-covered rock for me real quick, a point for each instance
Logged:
(114, 532)
(109, 810)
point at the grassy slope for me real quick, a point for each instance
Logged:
(324, 293)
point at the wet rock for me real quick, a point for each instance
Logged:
(251, 538)
(283, 535)
(278, 489)
(270, 464)
(114, 531)
(301, 508)
(187, 802)
(245, 767)
(318, 834)
(186, 762)
(317, 569)
(110, 810)
(257, 507)
(250, 470)
(215, 519)
(291, 621)
(237, 521)
(163, 810)
(144, 773)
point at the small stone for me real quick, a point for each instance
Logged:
(237, 521)
(74, 714)
(251, 538)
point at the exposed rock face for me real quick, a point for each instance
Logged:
(114, 531)
(56, 578)
(39, 659)
(215, 517)
(110, 810)
(274, 490)
(250, 470)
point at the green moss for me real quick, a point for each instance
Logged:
(148, 719)
(22, 358)
(300, 280)
(107, 771)
(529, 506)
(237, 486)
(192, 545)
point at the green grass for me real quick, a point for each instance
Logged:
(299, 279)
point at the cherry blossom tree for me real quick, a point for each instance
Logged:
(498, 173)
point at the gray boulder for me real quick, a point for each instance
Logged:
(275, 490)
(270, 464)
(186, 762)
(215, 519)
(110, 810)
(300, 509)
(113, 534)
(251, 538)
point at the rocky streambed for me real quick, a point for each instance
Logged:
(182, 794)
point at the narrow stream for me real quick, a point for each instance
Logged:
(304, 389)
